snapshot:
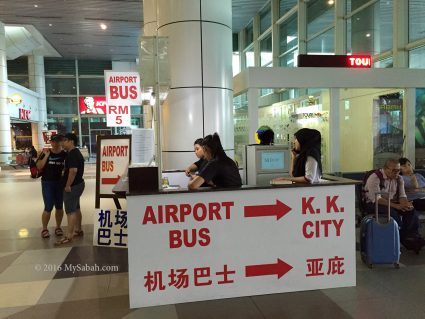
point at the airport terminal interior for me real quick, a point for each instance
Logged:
(32, 286)
(205, 66)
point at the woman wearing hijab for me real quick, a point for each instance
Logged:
(306, 164)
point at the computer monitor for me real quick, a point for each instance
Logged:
(265, 162)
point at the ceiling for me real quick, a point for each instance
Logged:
(72, 27)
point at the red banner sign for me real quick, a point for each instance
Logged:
(92, 105)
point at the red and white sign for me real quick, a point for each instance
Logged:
(24, 114)
(114, 155)
(211, 245)
(92, 104)
(47, 136)
(122, 90)
(360, 61)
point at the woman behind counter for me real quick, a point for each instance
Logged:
(220, 171)
(198, 165)
(306, 164)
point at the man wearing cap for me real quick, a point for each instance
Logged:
(51, 163)
(73, 187)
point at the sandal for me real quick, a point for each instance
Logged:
(63, 241)
(78, 232)
(45, 233)
(58, 232)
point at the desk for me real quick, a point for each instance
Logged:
(189, 246)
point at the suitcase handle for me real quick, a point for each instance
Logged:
(377, 206)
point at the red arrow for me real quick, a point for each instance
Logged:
(110, 181)
(280, 268)
(280, 210)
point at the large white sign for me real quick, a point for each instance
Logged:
(122, 90)
(114, 156)
(200, 246)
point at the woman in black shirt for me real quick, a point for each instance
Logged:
(198, 165)
(220, 171)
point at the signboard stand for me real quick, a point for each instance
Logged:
(113, 158)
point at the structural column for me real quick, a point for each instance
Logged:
(37, 84)
(200, 99)
(5, 137)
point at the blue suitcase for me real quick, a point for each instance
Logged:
(379, 242)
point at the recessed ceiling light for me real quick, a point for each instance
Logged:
(50, 24)
(331, 2)
(103, 26)
(367, 35)
(36, 6)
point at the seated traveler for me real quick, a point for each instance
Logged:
(401, 210)
(198, 165)
(220, 171)
(306, 164)
(414, 184)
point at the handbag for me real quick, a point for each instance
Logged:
(34, 171)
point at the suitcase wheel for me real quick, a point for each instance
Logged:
(396, 265)
(370, 266)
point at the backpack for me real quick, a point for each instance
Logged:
(363, 191)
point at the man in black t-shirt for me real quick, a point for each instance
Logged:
(73, 187)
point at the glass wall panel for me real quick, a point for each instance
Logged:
(289, 59)
(236, 65)
(60, 86)
(417, 58)
(136, 110)
(324, 43)
(249, 34)
(20, 79)
(288, 34)
(63, 124)
(240, 120)
(370, 30)
(320, 15)
(354, 4)
(58, 66)
(289, 115)
(286, 5)
(249, 58)
(92, 86)
(378, 114)
(266, 53)
(420, 128)
(85, 129)
(93, 67)
(61, 105)
(386, 63)
(416, 19)
(137, 121)
(18, 66)
(265, 18)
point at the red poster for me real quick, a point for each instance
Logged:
(92, 105)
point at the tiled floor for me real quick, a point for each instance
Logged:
(37, 281)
